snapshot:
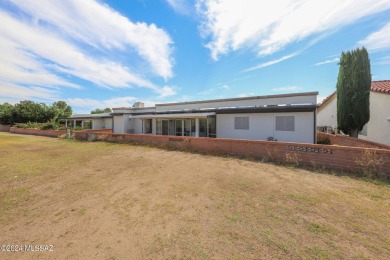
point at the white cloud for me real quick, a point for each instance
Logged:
(270, 63)
(268, 27)
(225, 87)
(101, 27)
(320, 99)
(84, 102)
(379, 40)
(206, 92)
(166, 91)
(287, 89)
(180, 6)
(15, 92)
(93, 103)
(86, 105)
(47, 44)
(66, 57)
(246, 95)
(384, 60)
(21, 66)
(334, 60)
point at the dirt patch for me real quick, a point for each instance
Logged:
(111, 201)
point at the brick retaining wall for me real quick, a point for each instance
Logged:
(103, 130)
(4, 128)
(329, 156)
(50, 133)
(350, 141)
(334, 157)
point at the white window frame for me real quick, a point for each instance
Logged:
(241, 123)
(284, 125)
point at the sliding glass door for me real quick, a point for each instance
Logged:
(179, 127)
(186, 126)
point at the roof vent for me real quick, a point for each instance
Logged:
(138, 104)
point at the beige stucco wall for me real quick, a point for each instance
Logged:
(327, 115)
(118, 125)
(107, 123)
(378, 128)
(101, 123)
(97, 123)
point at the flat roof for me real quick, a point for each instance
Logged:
(242, 98)
(225, 99)
(134, 108)
(87, 116)
(268, 109)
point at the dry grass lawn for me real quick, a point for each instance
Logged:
(111, 201)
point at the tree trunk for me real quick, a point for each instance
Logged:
(354, 133)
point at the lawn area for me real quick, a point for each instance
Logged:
(114, 201)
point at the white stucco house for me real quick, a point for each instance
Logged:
(89, 121)
(378, 127)
(287, 117)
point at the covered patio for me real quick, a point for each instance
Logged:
(188, 124)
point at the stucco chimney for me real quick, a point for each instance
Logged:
(138, 104)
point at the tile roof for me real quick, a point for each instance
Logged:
(382, 86)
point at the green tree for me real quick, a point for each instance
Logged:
(6, 111)
(100, 111)
(60, 109)
(29, 111)
(353, 91)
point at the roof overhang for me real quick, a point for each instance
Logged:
(177, 115)
(268, 109)
(84, 118)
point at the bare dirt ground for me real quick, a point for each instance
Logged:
(112, 201)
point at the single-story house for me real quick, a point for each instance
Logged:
(89, 121)
(378, 127)
(287, 117)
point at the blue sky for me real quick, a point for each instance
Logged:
(96, 54)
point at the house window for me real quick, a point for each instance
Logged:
(148, 126)
(241, 123)
(284, 123)
(87, 124)
(202, 127)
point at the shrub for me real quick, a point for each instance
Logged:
(49, 126)
(370, 164)
(323, 140)
(31, 125)
(78, 128)
(293, 158)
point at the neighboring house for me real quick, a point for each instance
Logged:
(89, 121)
(289, 117)
(378, 127)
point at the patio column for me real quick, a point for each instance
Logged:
(196, 127)
(154, 125)
(74, 123)
(66, 123)
(82, 123)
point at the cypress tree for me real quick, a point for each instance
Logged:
(353, 91)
